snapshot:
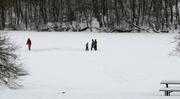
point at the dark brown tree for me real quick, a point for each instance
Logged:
(11, 68)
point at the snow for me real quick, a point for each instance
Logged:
(170, 82)
(125, 66)
(170, 89)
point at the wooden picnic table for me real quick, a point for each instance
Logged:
(168, 89)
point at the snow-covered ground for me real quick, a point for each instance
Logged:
(126, 66)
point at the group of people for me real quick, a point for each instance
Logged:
(93, 45)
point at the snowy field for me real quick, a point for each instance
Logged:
(125, 66)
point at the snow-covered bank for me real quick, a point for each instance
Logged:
(126, 66)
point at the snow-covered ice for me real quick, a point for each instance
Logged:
(125, 66)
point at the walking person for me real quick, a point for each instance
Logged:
(87, 48)
(95, 44)
(92, 45)
(29, 43)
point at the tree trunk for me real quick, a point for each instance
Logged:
(3, 20)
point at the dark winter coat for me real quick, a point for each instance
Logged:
(93, 43)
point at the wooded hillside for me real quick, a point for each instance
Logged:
(111, 15)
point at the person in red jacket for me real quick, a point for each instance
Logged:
(29, 43)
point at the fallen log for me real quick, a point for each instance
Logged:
(118, 30)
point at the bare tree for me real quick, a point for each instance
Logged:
(2, 13)
(11, 68)
(119, 14)
(176, 51)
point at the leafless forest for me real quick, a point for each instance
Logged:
(77, 15)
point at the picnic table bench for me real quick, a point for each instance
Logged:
(167, 90)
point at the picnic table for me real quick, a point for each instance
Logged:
(167, 90)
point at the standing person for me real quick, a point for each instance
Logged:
(95, 44)
(92, 45)
(29, 43)
(87, 48)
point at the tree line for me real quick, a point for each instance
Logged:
(78, 15)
